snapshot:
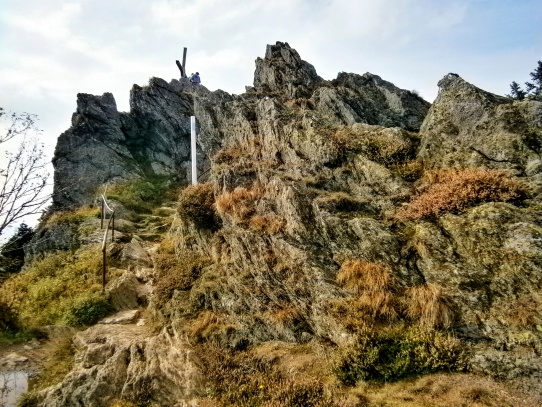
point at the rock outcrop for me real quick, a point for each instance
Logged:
(307, 176)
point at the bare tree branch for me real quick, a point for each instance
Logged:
(24, 177)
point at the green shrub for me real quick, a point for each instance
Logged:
(396, 353)
(196, 204)
(28, 400)
(87, 309)
(8, 319)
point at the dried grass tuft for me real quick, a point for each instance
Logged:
(428, 305)
(240, 204)
(374, 285)
(196, 204)
(454, 190)
(363, 276)
(269, 223)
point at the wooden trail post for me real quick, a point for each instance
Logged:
(182, 67)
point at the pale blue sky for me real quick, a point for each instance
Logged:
(52, 49)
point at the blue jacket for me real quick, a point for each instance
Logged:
(195, 79)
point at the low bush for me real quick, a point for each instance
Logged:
(392, 354)
(8, 319)
(59, 288)
(87, 309)
(196, 204)
(454, 190)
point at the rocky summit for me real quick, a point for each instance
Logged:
(348, 244)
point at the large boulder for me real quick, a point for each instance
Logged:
(469, 127)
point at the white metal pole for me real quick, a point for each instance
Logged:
(193, 149)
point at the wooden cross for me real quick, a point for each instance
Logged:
(182, 67)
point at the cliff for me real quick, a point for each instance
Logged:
(347, 232)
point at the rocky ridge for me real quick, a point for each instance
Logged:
(306, 176)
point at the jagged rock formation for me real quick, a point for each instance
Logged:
(306, 176)
(103, 145)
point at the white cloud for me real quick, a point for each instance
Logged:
(52, 24)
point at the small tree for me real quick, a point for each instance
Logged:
(12, 252)
(532, 89)
(24, 176)
(516, 92)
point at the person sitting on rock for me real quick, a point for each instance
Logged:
(195, 79)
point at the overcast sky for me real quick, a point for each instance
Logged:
(53, 49)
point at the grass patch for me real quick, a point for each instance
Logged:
(176, 272)
(239, 378)
(454, 190)
(74, 216)
(342, 202)
(59, 359)
(410, 171)
(270, 223)
(389, 147)
(61, 288)
(143, 195)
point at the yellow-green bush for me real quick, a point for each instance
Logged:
(87, 309)
(61, 288)
(392, 354)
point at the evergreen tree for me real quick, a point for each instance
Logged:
(12, 252)
(516, 92)
(534, 88)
